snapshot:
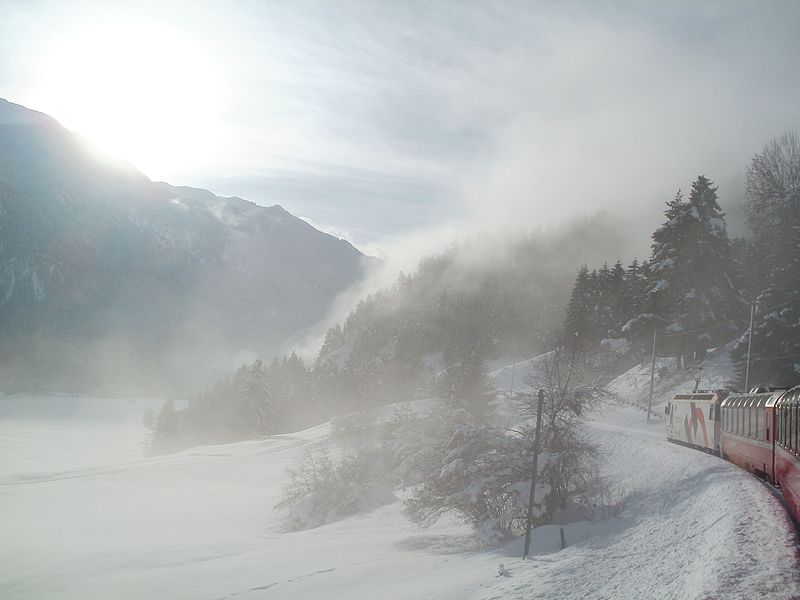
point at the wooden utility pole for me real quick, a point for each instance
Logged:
(749, 346)
(652, 374)
(533, 474)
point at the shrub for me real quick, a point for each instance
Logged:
(323, 489)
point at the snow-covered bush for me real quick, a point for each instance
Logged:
(604, 498)
(480, 473)
(323, 489)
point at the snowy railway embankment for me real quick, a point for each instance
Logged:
(201, 525)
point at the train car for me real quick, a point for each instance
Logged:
(694, 420)
(787, 448)
(748, 431)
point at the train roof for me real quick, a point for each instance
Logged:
(702, 395)
(790, 398)
(760, 397)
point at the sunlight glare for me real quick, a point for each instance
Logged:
(143, 93)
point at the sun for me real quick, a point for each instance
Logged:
(140, 92)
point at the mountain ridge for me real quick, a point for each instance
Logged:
(92, 250)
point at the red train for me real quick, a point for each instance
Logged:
(758, 431)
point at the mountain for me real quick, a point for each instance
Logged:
(109, 280)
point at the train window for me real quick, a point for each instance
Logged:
(756, 428)
(781, 425)
(796, 423)
(742, 419)
(748, 411)
(782, 417)
(739, 420)
(784, 426)
(754, 431)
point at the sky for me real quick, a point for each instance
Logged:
(398, 122)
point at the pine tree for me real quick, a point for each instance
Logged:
(465, 386)
(617, 295)
(691, 275)
(166, 428)
(711, 295)
(577, 322)
(251, 407)
(632, 298)
(663, 275)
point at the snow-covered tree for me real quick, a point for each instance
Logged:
(166, 428)
(578, 323)
(250, 404)
(482, 471)
(464, 385)
(691, 273)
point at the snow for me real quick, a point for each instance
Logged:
(619, 346)
(517, 376)
(667, 263)
(201, 524)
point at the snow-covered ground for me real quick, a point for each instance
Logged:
(57, 433)
(201, 525)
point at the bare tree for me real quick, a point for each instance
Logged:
(566, 401)
(773, 173)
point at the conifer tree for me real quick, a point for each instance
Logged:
(691, 276)
(577, 322)
(618, 304)
(166, 428)
(251, 405)
(633, 294)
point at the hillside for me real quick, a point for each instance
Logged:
(109, 280)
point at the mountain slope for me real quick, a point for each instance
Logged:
(106, 276)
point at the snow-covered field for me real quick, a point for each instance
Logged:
(84, 516)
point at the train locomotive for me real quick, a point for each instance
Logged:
(759, 431)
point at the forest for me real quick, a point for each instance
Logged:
(433, 332)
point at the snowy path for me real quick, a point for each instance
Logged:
(695, 527)
(200, 525)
